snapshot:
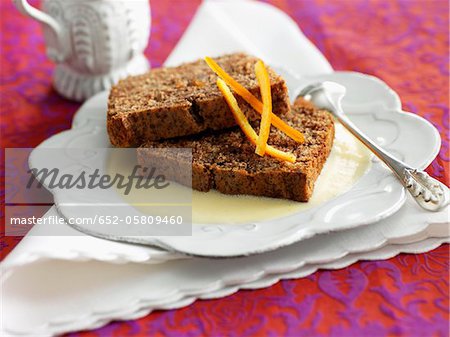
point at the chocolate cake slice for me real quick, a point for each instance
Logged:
(183, 100)
(226, 160)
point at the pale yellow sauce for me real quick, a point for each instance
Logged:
(348, 161)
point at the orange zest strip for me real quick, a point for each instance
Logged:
(242, 121)
(240, 90)
(266, 118)
(253, 101)
(287, 129)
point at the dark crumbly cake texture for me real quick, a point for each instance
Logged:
(226, 160)
(184, 100)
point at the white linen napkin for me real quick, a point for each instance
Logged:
(53, 296)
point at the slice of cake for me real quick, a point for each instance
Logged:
(184, 100)
(226, 160)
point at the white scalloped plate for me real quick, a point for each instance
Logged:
(373, 106)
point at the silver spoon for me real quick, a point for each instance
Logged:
(429, 193)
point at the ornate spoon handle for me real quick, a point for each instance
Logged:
(429, 193)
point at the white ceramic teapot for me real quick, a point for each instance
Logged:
(93, 42)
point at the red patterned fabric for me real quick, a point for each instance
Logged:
(405, 43)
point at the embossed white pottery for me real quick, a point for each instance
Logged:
(93, 42)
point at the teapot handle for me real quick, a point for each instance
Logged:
(56, 54)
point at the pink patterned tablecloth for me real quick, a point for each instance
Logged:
(405, 43)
